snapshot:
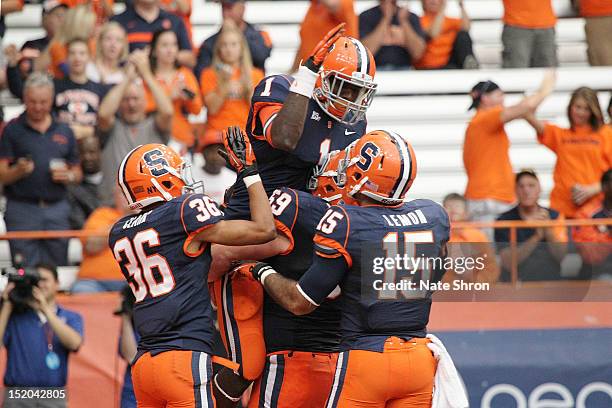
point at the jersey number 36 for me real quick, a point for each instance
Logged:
(140, 266)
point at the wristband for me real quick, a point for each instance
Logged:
(250, 180)
(304, 82)
(265, 274)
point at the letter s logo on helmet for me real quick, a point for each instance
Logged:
(153, 173)
(382, 166)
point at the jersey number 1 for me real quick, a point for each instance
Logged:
(140, 266)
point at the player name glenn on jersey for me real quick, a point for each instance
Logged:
(137, 220)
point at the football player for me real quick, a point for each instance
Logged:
(385, 361)
(164, 254)
(293, 123)
(301, 351)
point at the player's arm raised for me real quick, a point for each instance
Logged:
(260, 229)
(286, 129)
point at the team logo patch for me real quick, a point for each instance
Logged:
(166, 24)
(156, 162)
(59, 139)
(315, 116)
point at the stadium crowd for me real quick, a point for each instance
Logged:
(97, 85)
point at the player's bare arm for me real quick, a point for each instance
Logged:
(283, 290)
(260, 229)
(287, 127)
(224, 255)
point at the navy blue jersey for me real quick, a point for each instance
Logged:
(364, 237)
(172, 309)
(278, 168)
(297, 214)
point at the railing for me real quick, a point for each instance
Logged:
(513, 226)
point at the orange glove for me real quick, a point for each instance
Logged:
(321, 50)
(239, 152)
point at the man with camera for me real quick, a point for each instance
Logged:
(38, 335)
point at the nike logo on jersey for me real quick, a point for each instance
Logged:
(315, 116)
(347, 133)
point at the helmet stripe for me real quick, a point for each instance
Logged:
(406, 165)
(121, 177)
(362, 57)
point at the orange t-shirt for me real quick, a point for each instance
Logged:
(181, 128)
(59, 54)
(439, 49)
(102, 265)
(472, 243)
(595, 8)
(235, 109)
(529, 13)
(486, 158)
(318, 21)
(582, 157)
(593, 242)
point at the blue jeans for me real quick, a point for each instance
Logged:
(93, 286)
(26, 216)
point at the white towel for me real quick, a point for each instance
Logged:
(448, 388)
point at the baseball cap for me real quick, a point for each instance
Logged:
(526, 172)
(50, 5)
(480, 89)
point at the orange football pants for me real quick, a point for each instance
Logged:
(294, 379)
(173, 379)
(239, 302)
(399, 377)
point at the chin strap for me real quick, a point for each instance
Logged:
(167, 195)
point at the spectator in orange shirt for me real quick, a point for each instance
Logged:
(449, 43)
(228, 84)
(79, 22)
(322, 16)
(111, 52)
(539, 250)
(529, 34)
(598, 29)
(584, 152)
(468, 242)
(595, 242)
(490, 187)
(180, 85)
(99, 270)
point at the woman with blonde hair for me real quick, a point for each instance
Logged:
(111, 52)
(584, 152)
(227, 85)
(180, 85)
(79, 22)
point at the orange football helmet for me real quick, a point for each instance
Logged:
(328, 179)
(152, 173)
(349, 64)
(382, 166)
